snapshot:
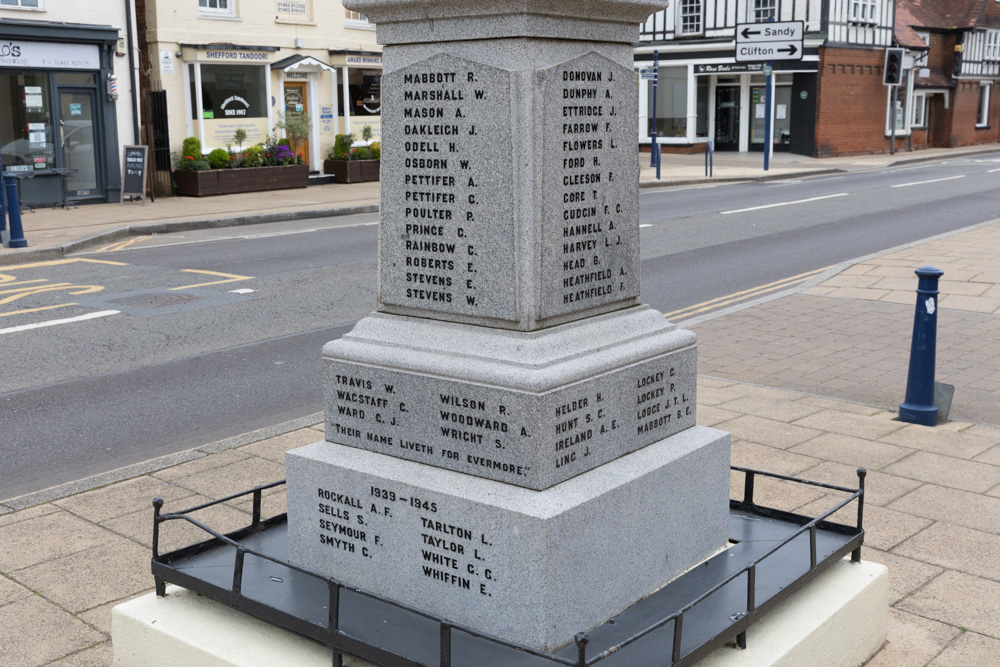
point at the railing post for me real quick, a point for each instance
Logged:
(581, 640)
(812, 547)
(862, 473)
(161, 586)
(748, 487)
(256, 507)
(675, 653)
(445, 645)
(16, 238)
(333, 619)
(241, 553)
(919, 408)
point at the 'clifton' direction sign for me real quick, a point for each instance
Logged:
(761, 42)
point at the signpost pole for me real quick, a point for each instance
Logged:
(892, 101)
(768, 89)
(654, 146)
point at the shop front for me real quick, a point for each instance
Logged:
(58, 121)
(228, 88)
(360, 94)
(718, 100)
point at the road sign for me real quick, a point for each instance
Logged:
(647, 73)
(760, 42)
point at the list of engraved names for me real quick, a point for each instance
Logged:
(448, 185)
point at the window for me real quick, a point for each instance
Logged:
(863, 11)
(672, 104)
(216, 7)
(764, 10)
(689, 18)
(27, 137)
(23, 4)
(993, 45)
(983, 110)
(357, 20)
(919, 118)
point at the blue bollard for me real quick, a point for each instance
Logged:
(17, 239)
(919, 408)
(3, 211)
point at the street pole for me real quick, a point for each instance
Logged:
(654, 153)
(768, 87)
(892, 144)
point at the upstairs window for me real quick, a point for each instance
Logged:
(212, 8)
(689, 18)
(863, 11)
(992, 45)
(23, 4)
(357, 20)
(765, 10)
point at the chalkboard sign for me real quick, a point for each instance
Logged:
(134, 172)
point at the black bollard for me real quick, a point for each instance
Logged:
(16, 239)
(919, 408)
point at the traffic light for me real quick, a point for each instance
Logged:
(892, 75)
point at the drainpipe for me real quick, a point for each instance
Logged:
(132, 73)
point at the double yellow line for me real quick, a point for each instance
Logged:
(121, 245)
(745, 295)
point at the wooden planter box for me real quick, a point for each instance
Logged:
(230, 181)
(352, 171)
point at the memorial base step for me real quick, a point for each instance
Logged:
(838, 620)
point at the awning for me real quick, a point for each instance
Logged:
(298, 63)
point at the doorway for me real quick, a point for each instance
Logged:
(297, 104)
(76, 139)
(727, 118)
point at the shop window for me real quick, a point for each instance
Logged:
(217, 8)
(27, 134)
(983, 108)
(689, 17)
(671, 103)
(357, 20)
(993, 45)
(23, 4)
(232, 97)
(764, 10)
(863, 11)
(919, 118)
(365, 87)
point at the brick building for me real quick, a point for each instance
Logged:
(832, 101)
(952, 98)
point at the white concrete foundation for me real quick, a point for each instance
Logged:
(838, 620)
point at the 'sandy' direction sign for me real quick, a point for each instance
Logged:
(760, 42)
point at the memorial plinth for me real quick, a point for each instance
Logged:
(510, 438)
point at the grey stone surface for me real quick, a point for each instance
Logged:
(447, 233)
(409, 21)
(590, 204)
(527, 408)
(533, 220)
(534, 567)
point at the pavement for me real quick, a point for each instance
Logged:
(807, 380)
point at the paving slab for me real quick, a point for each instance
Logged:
(110, 571)
(854, 451)
(963, 550)
(961, 600)
(35, 632)
(42, 539)
(972, 510)
(907, 576)
(969, 650)
(912, 641)
(947, 471)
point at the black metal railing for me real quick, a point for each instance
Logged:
(334, 636)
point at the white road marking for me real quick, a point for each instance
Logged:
(784, 203)
(245, 290)
(993, 171)
(641, 226)
(52, 323)
(933, 180)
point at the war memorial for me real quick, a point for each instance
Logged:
(511, 446)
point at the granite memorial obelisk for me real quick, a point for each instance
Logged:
(510, 437)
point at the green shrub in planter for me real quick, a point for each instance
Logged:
(201, 165)
(376, 150)
(219, 158)
(191, 148)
